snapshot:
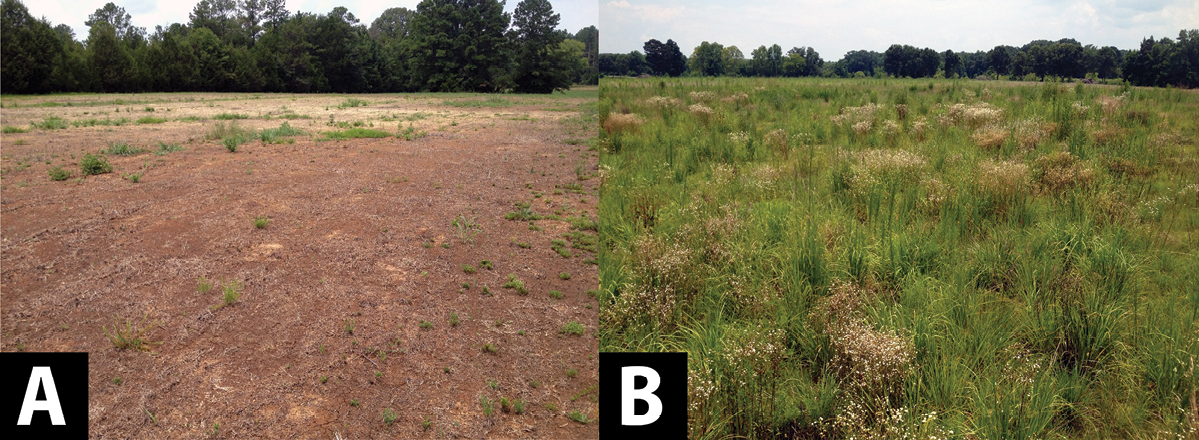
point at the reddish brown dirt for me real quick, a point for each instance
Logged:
(349, 240)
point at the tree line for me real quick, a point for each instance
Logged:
(258, 46)
(1161, 62)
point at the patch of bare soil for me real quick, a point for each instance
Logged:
(345, 321)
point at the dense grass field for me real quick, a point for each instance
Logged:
(907, 258)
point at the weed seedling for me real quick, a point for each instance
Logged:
(389, 416)
(564, 276)
(454, 319)
(468, 269)
(261, 221)
(578, 417)
(487, 404)
(426, 325)
(231, 292)
(486, 264)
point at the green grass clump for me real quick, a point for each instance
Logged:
(573, 328)
(94, 164)
(231, 130)
(895, 258)
(516, 284)
(51, 123)
(351, 103)
(123, 149)
(356, 133)
(9, 129)
(275, 135)
(150, 120)
(524, 212)
(92, 122)
(230, 116)
(488, 102)
(58, 174)
(165, 148)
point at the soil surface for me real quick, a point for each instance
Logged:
(357, 315)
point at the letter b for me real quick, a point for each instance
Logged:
(630, 395)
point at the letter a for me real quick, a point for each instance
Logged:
(41, 375)
(630, 396)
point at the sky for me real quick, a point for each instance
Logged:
(836, 27)
(575, 14)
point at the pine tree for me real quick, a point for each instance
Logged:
(542, 66)
(459, 46)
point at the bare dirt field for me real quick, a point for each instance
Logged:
(365, 310)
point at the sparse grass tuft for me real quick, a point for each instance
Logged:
(129, 335)
(123, 149)
(51, 123)
(230, 116)
(276, 135)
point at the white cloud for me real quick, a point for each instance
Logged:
(651, 13)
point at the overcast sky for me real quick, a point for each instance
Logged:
(834, 28)
(576, 14)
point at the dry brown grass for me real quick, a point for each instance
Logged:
(777, 140)
(738, 97)
(622, 123)
(701, 112)
(1002, 178)
(1059, 172)
(990, 137)
(1107, 134)
(662, 101)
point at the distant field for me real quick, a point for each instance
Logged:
(220, 118)
(907, 258)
